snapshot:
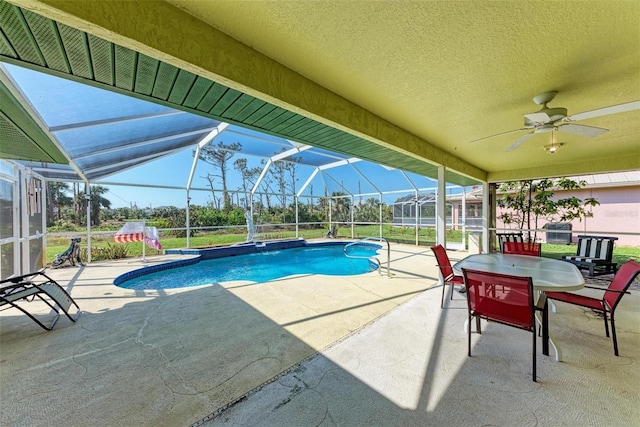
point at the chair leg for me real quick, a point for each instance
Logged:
(453, 288)
(606, 323)
(469, 337)
(444, 285)
(534, 354)
(613, 333)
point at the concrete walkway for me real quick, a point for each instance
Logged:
(410, 368)
(306, 351)
(173, 357)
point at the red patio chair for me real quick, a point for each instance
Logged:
(521, 248)
(609, 301)
(446, 271)
(503, 299)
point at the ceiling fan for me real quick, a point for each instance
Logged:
(555, 119)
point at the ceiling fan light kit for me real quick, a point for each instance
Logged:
(550, 119)
(553, 148)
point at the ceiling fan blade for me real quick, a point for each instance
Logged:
(614, 109)
(497, 134)
(519, 142)
(538, 117)
(582, 130)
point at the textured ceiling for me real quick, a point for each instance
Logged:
(419, 78)
(453, 72)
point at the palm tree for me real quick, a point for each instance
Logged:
(57, 198)
(97, 202)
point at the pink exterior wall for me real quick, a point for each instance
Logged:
(619, 212)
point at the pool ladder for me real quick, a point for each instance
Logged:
(377, 239)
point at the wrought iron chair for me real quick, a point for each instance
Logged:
(504, 299)
(446, 271)
(522, 248)
(610, 299)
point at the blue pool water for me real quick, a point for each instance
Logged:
(261, 267)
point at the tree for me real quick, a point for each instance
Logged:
(530, 201)
(281, 170)
(218, 156)
(57, 199)
(97, 202)
(248, 175)
(265, 186)
(367, 211)
(341, 207)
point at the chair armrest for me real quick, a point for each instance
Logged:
(608, 290)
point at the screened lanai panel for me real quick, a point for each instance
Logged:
(137, 136)
(65, 102)
(139, 154)
(113, 168)
(52, 171)
(262, 147)
(319, 157)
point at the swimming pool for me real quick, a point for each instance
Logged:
(260, 266)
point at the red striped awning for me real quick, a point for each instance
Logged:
(129, 237)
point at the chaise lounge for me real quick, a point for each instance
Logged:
(24, 288)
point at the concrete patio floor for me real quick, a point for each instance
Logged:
(306, 351)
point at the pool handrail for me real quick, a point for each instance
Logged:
(379, 239)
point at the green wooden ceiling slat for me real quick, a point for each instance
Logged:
(19, 35)
(77, 49)
(181, 87)
(46, 34)
(167, 75)
(24, 133)
(292, 120)
(296, 126)
(310, 131)
(273, 116)
(197, 92)
(146, 73)
(328, 137)
(212, 96)
(253, 106)
(22, 147)
(237, 107)
(229, 97)
(302, 133)
(125, 67)
(260, 113)
(103, 59)
(326, 134)
(5, 47)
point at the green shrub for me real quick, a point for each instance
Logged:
(111, 251)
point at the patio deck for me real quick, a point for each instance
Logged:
(312, 350)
